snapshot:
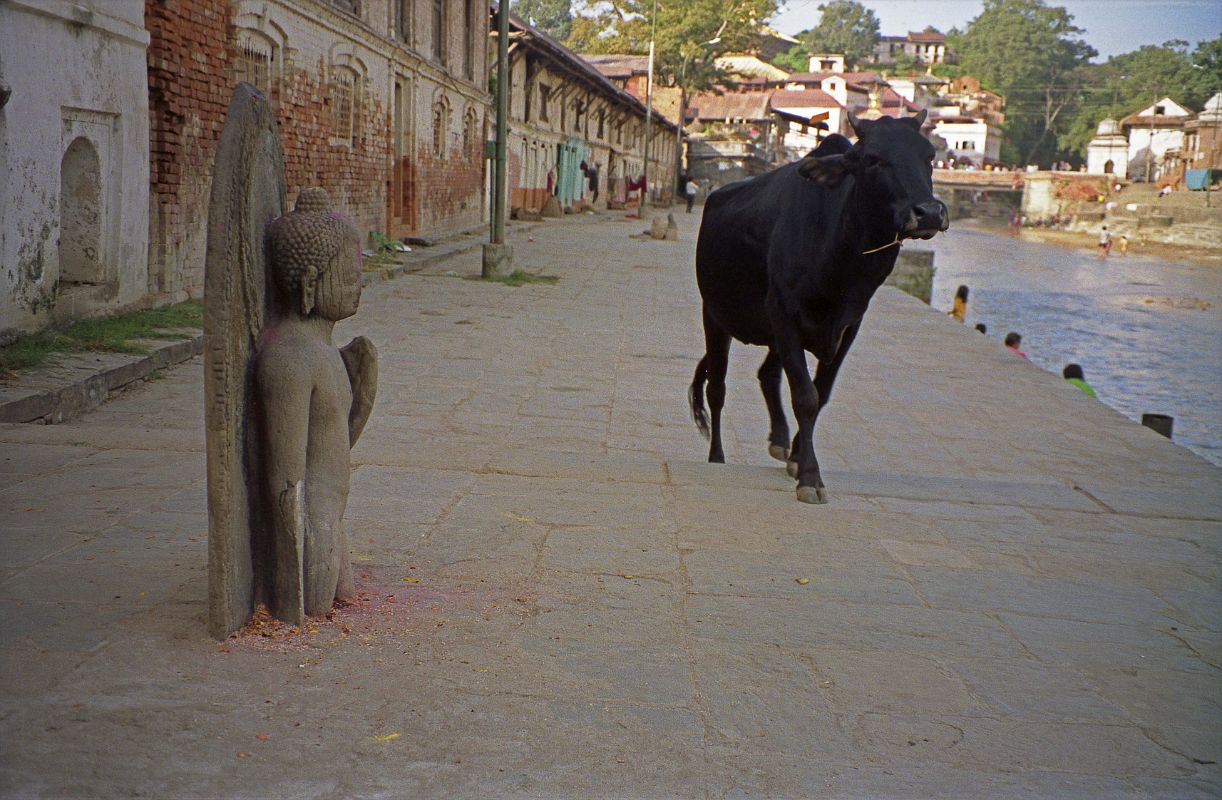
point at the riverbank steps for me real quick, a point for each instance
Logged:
(1013, 591)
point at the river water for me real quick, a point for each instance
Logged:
(1146, 330)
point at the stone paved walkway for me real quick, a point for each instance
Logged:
(1013, 593)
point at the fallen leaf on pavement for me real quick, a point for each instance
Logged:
(386, 737)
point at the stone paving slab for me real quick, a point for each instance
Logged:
(1013, 593)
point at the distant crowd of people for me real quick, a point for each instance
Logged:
(1072, 373)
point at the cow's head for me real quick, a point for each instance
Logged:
(892, 164)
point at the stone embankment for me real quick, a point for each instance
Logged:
(1012, 593)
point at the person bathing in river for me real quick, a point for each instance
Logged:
(1105, 242)
(959, 309)
(1012, 341)
(1073, 374)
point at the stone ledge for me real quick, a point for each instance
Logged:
(71, 388)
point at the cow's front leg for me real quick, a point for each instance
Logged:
(778, 427)
(805, 408)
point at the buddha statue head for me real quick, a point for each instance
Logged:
(315, 258)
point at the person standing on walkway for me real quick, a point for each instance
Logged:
(1105, 242)
(1012, 341)
(959, 309)
(1073, 374)
(690, 192)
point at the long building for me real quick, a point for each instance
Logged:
(564, 113)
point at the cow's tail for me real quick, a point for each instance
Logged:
(695, 396)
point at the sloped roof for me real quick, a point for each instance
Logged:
(746, 65)
(803, 98)
(889, 98)
(930, 37)
(617, 66)
(733, 105)
(1175, 118)
(575, 67)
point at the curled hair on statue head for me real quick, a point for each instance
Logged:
(303, 244)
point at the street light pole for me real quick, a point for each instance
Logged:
(498, 256)
(653, 27)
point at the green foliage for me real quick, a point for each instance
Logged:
(1029, 53)
(1132, 81)
(103, 334)
(519, 278)
(689, 35)
(553, 17)
(383, 243)
(847, 27)
(795, 59)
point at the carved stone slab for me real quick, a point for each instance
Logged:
(248, 192)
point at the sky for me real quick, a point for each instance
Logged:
(1111, 26)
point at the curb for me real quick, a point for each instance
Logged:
(50, 406)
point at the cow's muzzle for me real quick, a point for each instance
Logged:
(926, 219)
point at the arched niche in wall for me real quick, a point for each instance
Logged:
(81, 260)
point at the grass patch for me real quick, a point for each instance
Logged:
(520, 278)
(105, 334)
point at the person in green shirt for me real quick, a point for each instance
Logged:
(1073, 374)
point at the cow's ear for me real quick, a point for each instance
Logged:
(860, 126)
(824, 170)
(918, 120)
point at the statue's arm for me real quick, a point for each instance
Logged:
(284, 387)
(361, 362)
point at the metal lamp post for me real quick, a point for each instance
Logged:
(498, 256)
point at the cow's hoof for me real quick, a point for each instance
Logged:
(812, 494)
(792, 468)
(778, 451)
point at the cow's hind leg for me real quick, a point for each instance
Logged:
(770, 384)
(695, 396)
(716, 356)
(805, 408)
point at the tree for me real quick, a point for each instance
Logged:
(553, 17)
(847, 27)
(1030, 54)
(1131, 81)
(795, 59)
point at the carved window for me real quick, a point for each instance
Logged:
(439, 30)
(254, 61)
(470, 131)
(545, 92)
(602, 119)
(441, 124)
(345, 106)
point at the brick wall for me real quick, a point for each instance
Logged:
(195, 49)
(188, 66)
(354, 176)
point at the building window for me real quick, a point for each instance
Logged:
(602, 119)
(403, 20)
(441, 124)
(439, 30)
(470, 20)
(544, 94)
(253, 63)
(470, 131)
(345, 106)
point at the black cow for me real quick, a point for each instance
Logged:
(789, 260)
